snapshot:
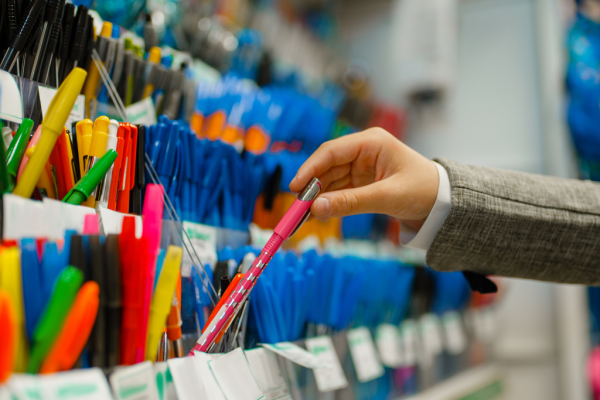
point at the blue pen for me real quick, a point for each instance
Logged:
(210, 178)
(33, 289)
(197, 174)
(188, 138)
(53, 263)
(167, 161)
(228, 217)
(176, 179)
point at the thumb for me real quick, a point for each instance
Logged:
(372, 198)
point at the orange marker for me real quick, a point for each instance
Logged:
(236, 279)
(75, 331)
(8, 336)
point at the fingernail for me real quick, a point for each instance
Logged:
(321, 206)
(295, 178)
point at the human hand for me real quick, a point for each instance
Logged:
(370, 172)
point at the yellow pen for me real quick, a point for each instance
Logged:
(52, 126)
(10, 282)
(96, 151)
(91, 83)
(83, 129)
(161, 301)
(152, 72)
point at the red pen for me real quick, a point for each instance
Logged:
(133, 261)
(114, 183)
(134, 138)
(125, 179)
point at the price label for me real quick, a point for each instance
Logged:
(410, 342)
(364, 355)
(295, 354)
(234, 376)
(454, 333)
(134, 383)
(265, 369)
(332, 376)
(185, 378)
(431, 334)
(389, 344)
(203, 239)
(211, 386)
(143, 112)
(164, 382)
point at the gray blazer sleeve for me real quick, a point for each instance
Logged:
(520, 225)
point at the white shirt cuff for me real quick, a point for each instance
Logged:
(423, 238)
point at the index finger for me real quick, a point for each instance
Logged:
(335, 152)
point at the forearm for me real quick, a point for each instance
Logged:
(520, 225)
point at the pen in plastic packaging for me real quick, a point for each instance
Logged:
(51, 11)
(20, 38)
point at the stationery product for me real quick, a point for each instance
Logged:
(161, 301)
(50, 323)
(52, 127)
(291, 222)
(8, 336)
(75, 330)
(84, 188)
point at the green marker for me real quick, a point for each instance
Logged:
(51, 321)
(4, 183)
(17, 148)
(86, 185)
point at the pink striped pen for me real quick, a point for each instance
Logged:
(289, 224)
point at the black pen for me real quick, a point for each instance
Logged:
(20, 39)
(138, 184)
(78, 40)
(77, 256)
(12, 18)
(113, 300)
(52, 9)
(150, 38)
(97, 338)
(50, 52)
(65, 44)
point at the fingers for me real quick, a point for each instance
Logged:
(334, 174)
(330, 154)
(374, 198)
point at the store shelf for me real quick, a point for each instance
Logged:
(480, 383)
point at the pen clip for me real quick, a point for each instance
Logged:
(310, 193)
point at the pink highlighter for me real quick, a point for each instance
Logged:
(292, 220)
(151, 231)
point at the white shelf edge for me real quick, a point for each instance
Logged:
(463, 384)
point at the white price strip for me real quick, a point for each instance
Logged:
(431, 334)
(23, 218)
(331, 377)
(410, 342)
(203, 239)
(211, 386)
(88, 384)
(164, 382)
(4, 393)
(364, 355)
(232, 372)
(265, 369)
(389, 344)
(61, 217)
(111, 221)
(188, 385)
(454, 333)
(295, 354)
(134, 383)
